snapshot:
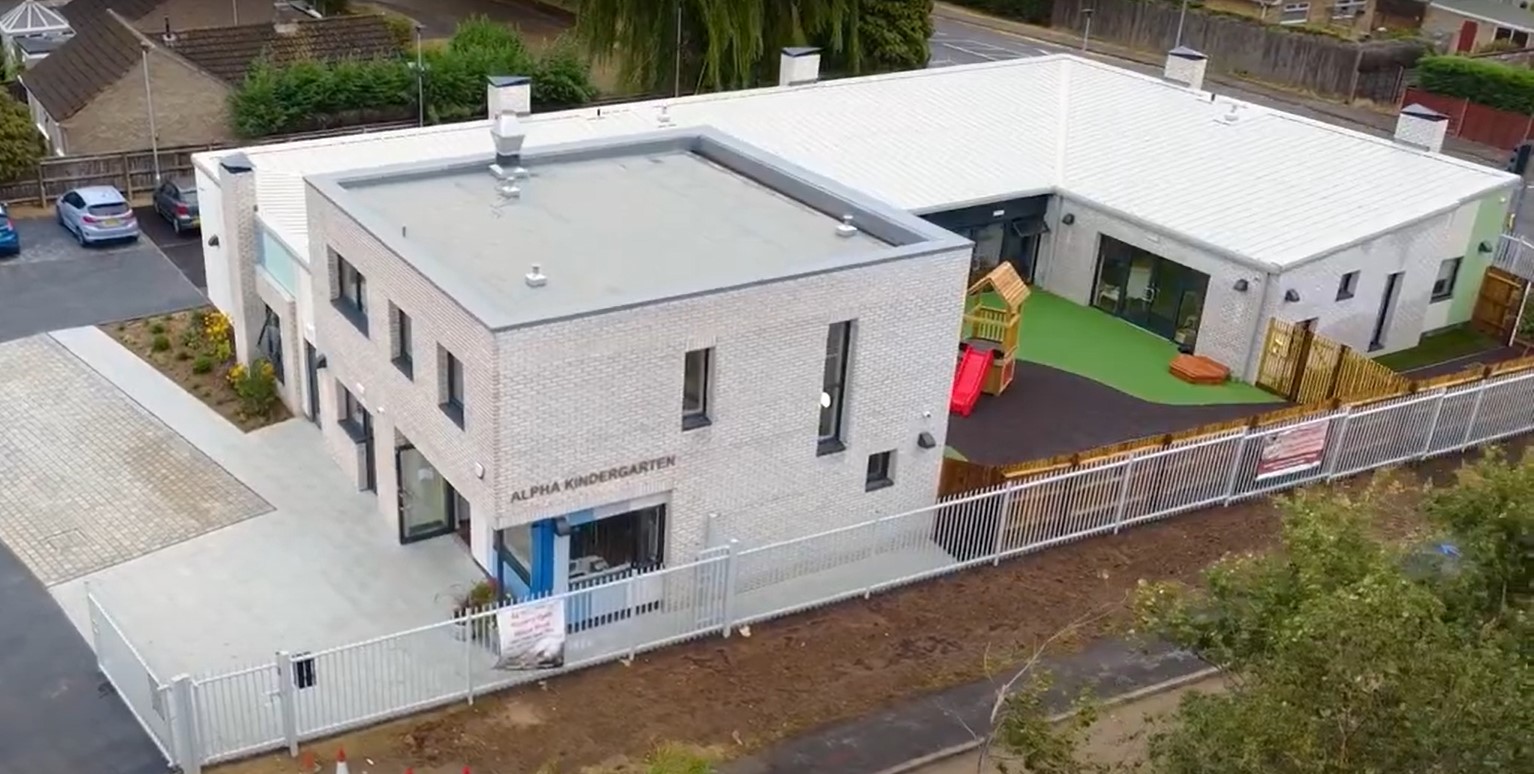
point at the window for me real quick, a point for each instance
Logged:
(1343, 10)
(1295, 13)
(1348, 286)
(452, 385)
(351, 294)
(352, 416)
(516, 551)
(1443, 285)
(880, 471)
(270, 342)
(695, 385)
(400, 323)
(833, 388)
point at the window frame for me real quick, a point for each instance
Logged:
(694, 417)
(351, 293)
(402, 348)
(1347, 287)
(831, 427)
(1450, 284)
(452, 386)
(269, 342)
(880, 473)
(1294, 8)
(351, 416)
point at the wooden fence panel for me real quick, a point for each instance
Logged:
(1496, 308)
(1302, 366)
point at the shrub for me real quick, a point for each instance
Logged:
(256, 387)
(563, 76)
(157, 328)
(191, 338)
(219, 335)
(1489, 83)
(183, 355)
(160, 343)
(202, 365)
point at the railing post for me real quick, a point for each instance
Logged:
(1123, 498)
(1334, 450)
(1235, 466)
(287, 689)
(1432, 425)
(731, 571)
(468, 657)
(1002, 520)
(188, 750)
(1475, 413)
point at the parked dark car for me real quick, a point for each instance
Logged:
(176, 201)
(10, 241)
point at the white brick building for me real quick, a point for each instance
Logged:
(1190, 214)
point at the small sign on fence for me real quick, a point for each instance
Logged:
(532, 635)
(1293, 450)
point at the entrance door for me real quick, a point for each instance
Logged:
(1161, 296)
(1467, 33)
(1177, 303)
(312, 372)
(425, 497)
(1387, 307)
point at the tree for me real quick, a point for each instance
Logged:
(732, 44)
(21, 145)
(1346, 654)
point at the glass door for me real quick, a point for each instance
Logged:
(1140, 288)
(425, 498)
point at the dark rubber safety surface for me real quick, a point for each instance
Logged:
(1047, 412)
(58, 715)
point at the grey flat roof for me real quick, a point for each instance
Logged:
(618, 224)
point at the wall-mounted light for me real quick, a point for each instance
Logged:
(1484, 247)
(213, 241)
(1241, 285)
(1068, 218)
(1291, 295)
(479, 470)
(925, 440)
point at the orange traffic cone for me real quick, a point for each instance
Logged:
(307, 764)
(341, 762)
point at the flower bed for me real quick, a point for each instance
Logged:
(195, 349)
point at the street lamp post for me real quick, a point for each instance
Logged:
(420, 79)
(1182, 16)
(154, 134)
(1086, 32)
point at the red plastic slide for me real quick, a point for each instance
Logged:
(968, 379)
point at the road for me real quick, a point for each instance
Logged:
(956, 43)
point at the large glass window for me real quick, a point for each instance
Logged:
(833, 390)
(633, 540)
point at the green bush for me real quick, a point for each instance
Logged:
(203, 364)
(279, 100)
(157, 328)
(256, 387)
(1489, 83)
(160, 343)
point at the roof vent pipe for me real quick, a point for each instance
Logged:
(535, 278)
(799, 64)
(1186, 67)
(508, 134)
(508, 94)
(845, 228)
(1422, 127)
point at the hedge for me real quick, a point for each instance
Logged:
(311, 95)
(1488, 83)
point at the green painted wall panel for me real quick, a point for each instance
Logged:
(1490, 218)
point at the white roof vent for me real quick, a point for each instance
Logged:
(535, 278)
(1230, 116)
(508, 134)
(845, 228)
(664, 119)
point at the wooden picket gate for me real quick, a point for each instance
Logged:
(1497, 306)
(1303, 366)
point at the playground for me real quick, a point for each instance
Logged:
(1040, 376)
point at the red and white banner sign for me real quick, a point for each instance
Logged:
(1293, 450)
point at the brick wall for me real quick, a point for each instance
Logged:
(190, 107)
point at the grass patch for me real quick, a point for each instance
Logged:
(1440, 347)
(1105, 349)
(950, 453)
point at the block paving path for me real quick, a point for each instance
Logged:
(90, 478)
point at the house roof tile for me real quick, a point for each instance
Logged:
(228, 52)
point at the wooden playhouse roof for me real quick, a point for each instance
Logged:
(1004, 282)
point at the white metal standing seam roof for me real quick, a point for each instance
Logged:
(1268, 188)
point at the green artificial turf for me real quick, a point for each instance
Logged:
(1105, 349)
(1438, 348)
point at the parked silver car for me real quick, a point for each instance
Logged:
(97, 213)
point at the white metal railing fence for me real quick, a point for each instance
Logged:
(304, 696)
(1515, 256)
(147, 697)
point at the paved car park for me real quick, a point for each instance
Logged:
(955, 43)
(57, 283)
(184, 250)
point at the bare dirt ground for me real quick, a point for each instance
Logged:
(820, 667)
